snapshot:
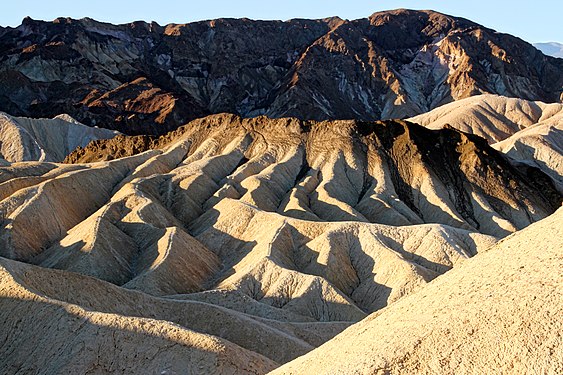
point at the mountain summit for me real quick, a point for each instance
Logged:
(143, 78)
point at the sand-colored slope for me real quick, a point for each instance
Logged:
(36, 216)
(499, 312)
(540, 146)
(280, 341)
(390, 173)
(26, 139)
(287, 263)
(492, 117)
(41, 328)
(327, 270)
(17, 176)
(527, 132)
(93, 342)
(272, 236)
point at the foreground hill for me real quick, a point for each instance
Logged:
(58, 322)
(143, 78)
(499, 312)
(26, 139)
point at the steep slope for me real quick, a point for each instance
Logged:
(26, 139)
(144, 78)
(492, 117)
(396, 173)
(499, 312)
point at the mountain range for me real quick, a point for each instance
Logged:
(143, 78)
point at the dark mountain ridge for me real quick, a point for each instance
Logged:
(143, 78)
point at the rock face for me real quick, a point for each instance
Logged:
(26, 139)
(500, 312)
(120, 146)
(397, 173)
(144, 78)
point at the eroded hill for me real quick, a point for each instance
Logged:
(529, 133)
(51, 140)
(492, 117)
(241, 244)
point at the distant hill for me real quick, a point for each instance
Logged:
(28, 139)
(552, 48)
(528, 132)
(492, 117)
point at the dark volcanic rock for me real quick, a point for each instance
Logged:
(143, 78)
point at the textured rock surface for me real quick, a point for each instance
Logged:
(120, 146)
(237, 287)
(89, 325)
(293, 214)
(144, 78)
(499, 312)
(540, 146)
(395, 173)
(26, 139)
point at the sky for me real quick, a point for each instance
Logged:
(531, 20)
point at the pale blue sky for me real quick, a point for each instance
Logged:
(532, 20)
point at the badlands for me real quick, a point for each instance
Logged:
(238, 245)
(49, 140)
(381, 196)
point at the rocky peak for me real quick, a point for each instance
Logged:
(405, 28)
